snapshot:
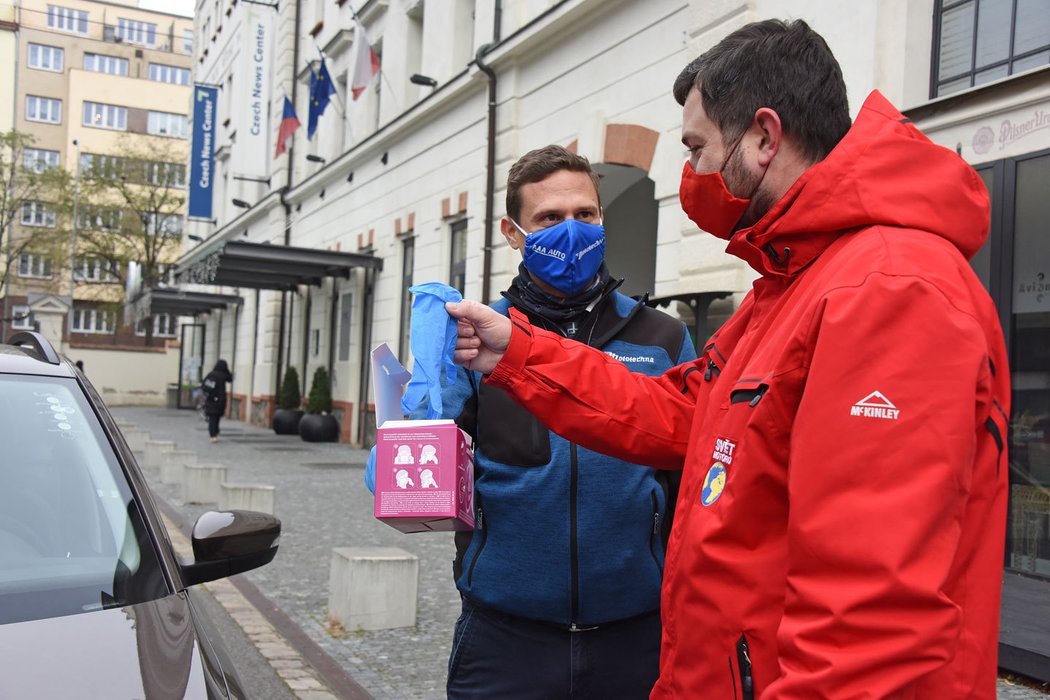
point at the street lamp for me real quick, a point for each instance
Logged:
(424, 80)
(73, 243)
(241, 203)
(314, 159)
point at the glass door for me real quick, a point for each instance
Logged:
(191, 362)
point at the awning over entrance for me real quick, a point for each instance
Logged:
(264, 266)
(176, 302)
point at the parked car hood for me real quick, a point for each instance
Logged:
(149, 650)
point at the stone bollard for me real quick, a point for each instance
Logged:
(202, 483)
(136, 439)
(153, 451)
(172, 464)
(237, 496)
(373, 588)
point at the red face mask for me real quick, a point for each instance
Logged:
(708, 202)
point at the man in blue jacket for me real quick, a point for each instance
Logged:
(561, 577)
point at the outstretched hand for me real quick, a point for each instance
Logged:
(482, 335)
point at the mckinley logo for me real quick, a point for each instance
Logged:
(875, 405)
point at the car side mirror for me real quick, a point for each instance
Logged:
(230, 542)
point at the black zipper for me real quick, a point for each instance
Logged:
(998, 438)
(749, 396)
(743, 657)
(479, 528)
(656, 530)
(711, 371)
(574, 545)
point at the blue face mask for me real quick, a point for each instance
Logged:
(567, 255)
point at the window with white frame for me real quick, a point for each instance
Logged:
(37, 214)
(43, 109)
(88, 319)
(167, 124)
(38, 160)
(187, 41)
(169, 74)
(165, 174)
(90, 269)
(43, 57)
(22, 318)
(164, 224)
(35, 266)
(104, 116)
(67, 19)
(164, 326)
(100, 218)
(136, 31)
(101, 63)
(102, 166)
(165, 274)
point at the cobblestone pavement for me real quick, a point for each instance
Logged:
(323, 504)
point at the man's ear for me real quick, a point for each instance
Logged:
(772, 134)
(514, 237)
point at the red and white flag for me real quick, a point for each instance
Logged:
(366, 63)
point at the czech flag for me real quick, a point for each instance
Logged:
(366, 63)
(289, 123)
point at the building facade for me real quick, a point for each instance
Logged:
(411, 172)
(100, 87)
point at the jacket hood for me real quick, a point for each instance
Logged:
(884, 172)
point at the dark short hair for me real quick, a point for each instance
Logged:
(537, 165)
(785, 67)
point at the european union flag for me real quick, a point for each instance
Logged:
(321, 90)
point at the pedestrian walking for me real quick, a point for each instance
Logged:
(840, 526)
(214, 388)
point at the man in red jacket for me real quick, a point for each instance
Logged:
(840, 526)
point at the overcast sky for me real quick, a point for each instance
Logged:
(178, 7)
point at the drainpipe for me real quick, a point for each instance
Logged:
(287, 209)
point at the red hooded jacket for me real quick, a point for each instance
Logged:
(840, 527)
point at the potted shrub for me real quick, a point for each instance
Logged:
(289, 401)
(319, 425)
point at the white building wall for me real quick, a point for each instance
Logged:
(398, 160)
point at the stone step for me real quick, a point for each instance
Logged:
(243, 496)
(202, 483)
(373, 588)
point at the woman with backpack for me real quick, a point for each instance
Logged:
(214, 386)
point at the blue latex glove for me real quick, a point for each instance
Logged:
(370, 471)
(433, 335)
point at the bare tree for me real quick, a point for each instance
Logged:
(34, 184)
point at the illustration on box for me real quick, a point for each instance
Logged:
(424, 468)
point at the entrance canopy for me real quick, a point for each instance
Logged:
(265, 266)
(169, 300)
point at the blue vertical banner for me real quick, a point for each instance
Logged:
(202, 152)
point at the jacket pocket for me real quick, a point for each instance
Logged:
(749, 391)
(481, 533)
(655, 541)
(509, 434)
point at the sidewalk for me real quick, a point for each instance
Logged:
(323, 504)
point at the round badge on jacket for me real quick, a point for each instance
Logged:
(714, 483)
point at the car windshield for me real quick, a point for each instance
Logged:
(71, 535)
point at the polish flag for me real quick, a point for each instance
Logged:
(366, 63)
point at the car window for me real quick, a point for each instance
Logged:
(71, 536)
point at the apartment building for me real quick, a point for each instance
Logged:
(101, 86)
(404, 184)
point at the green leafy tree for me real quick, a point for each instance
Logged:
(289, 397)
(320, 399)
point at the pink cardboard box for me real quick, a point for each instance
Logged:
(424, 476)
(424, 468)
